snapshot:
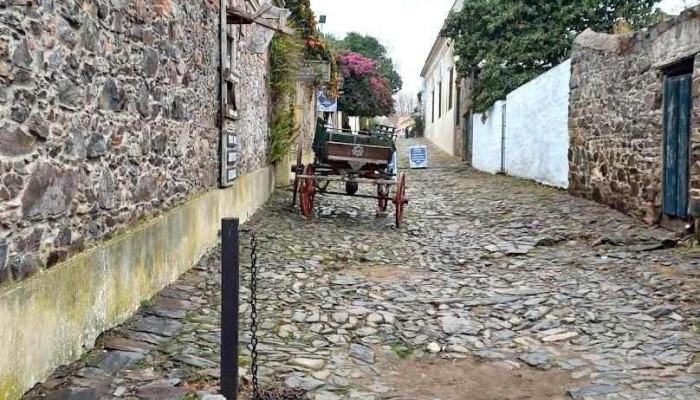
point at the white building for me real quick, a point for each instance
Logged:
(441, 95)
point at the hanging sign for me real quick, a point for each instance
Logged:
(327, 104)
(260, 39)
(418, 157)
(315, 71)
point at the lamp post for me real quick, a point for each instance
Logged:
(321, 22)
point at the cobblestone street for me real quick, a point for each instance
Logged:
(494, 288)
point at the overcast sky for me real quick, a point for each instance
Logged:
(408, 28)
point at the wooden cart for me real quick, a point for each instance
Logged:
(363, 158)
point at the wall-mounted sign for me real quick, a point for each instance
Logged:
(312, 71)
(327, 104)
(418, 157)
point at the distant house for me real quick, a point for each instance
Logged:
(443, 97)
(402, 122)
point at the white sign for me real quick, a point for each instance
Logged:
(394, 166)
(327, 104)
(418, 157)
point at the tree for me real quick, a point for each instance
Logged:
(420, 124)
(405, 103)
(370, 47)
(365, 92)
(505, 43)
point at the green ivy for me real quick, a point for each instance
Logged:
(503, 44)
(419, 124)
(284, 132)
(286, 58)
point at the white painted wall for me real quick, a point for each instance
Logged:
(441, 131)
(487, 139)
(537, 131)
(353, 121)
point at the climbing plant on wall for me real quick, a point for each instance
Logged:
(287, 55)
(505, 43)
(286, 58)
(304, 21)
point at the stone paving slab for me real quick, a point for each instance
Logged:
(488, 269)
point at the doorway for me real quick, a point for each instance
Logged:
(677, 127)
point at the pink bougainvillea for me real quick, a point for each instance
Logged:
(382, 89)
(365, 92)
(357, 65)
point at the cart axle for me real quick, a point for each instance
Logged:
(353, 180)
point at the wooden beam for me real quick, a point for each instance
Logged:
(263, 9)
(237, 16)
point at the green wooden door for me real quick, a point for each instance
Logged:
(677, 108)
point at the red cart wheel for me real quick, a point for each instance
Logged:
(297, 171)
(382, 198)
(400, 199)
(307, 192)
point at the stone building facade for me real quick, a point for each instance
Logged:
(108, 117)
(616, 118)
(110, 163)
(463, 123)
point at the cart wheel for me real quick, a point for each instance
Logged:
(400, 199)
(307, 192)
(297, 171)
(382, 199)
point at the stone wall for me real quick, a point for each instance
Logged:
(695, 140)
(108, 117)
(616, 114)
(305, 114)
(463, 98)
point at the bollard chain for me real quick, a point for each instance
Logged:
(254, 314)
(273, 394)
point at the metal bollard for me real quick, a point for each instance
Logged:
(229, 307)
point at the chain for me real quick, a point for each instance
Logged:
(274, 394)
(254, 314)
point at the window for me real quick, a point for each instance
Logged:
(457, 110)
(450, 91)
(229, 52)
(440, 100)
(231, 74)
(230, 104)
(432, 108)
(231, 49)
(231, 100)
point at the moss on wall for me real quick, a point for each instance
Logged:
(52, 318)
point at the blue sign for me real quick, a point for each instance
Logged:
(418, 157)
(327, 104)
